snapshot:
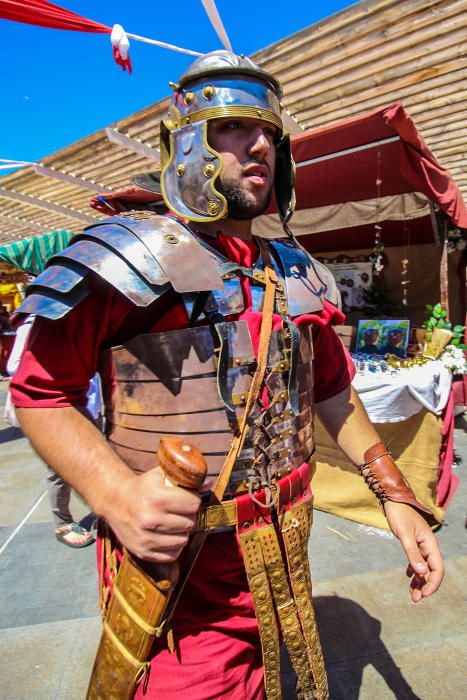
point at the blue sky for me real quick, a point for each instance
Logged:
(59, 86)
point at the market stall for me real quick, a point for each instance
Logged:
(373, 203)
(412, 410)
(369, 186)
(12, 284)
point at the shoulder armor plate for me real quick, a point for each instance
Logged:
(141, 254)
(307, 281)
(51, 304)
(188, 266)
(332, 292)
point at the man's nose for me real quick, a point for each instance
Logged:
(260, 144)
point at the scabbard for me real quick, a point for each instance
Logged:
(135, 612)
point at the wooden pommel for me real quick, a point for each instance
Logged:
(183, 464)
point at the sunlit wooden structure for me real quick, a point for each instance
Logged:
(365, 57)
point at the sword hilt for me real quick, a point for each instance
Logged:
(183, 463)
(184, 466)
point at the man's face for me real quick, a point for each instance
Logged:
(247, 147)
(371, 337)
(395, 337)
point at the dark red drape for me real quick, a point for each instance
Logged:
(403, 163)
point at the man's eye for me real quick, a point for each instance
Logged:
(234, 124)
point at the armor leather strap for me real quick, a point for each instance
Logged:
(263, 349)
(223, 363)
(384, 478)
(294, 335)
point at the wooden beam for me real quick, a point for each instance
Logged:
(71, 179)
(42, 228)
(420, 91)
(130, 144)
(310, 89)
(48, 206)
(290, 123)
(361, 18)
(357, 51)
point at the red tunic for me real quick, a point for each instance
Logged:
(218, 649)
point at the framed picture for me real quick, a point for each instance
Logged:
(381, 336)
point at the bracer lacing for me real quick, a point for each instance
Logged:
(371, 480)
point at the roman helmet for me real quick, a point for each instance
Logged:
(218, 84)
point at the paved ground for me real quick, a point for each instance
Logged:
(377, 644)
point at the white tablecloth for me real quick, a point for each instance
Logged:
(390, 398)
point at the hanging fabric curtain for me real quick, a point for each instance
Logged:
(31, 254)
(45, 14)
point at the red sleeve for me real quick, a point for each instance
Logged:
(62, 355)
(333, 366)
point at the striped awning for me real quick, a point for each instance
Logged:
(31, 254)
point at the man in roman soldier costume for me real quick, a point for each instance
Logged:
(225, 341)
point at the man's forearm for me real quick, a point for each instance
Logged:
(72, 446)
(152, 520)
(347, 422)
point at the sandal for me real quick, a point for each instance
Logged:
(73, 529)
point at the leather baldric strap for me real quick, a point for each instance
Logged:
(264, 340)
(384, 478)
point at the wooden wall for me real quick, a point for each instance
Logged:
(378, 52)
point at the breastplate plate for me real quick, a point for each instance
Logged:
(174, 383)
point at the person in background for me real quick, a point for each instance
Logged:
(5, 324)
(67, 530)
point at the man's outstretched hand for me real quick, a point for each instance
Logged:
(426, 568)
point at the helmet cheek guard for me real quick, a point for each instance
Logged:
(217, 85)
(190, 170)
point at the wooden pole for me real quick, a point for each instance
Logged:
(443, 268)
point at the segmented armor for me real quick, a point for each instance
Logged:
(194, 382)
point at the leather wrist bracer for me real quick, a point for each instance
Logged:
(384, 478)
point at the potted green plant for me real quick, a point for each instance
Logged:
(437, 318)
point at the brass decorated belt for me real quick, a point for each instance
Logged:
(248, 512)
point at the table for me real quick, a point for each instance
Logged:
(413, 412)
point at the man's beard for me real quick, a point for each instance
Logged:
(239, 205)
